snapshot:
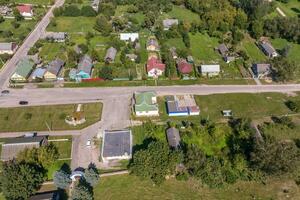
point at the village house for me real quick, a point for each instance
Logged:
(131, 57)
(38, 74)
(184, 67)
(152, 45)
(182, 105)
(13, 146)
(168, 23)
(23, 70)
(84, 68)
(155, 67)
(53, 69)
(8, 48)
(117, 145)
(224, 51)
(5, 11)
(261, 70)
(110, 55)
(25, 10)
(173, 137)
(95, 5)
(267, 48)
(173, 53)
(129, 37)
(145, 104)
(52, 195)
(210, 70)
(56, 36)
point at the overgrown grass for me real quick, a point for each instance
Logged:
(183, 14)
(73, 24)
(18, 34)
(254, 53)
(294, 50)
(64, 148)
(50, 51)
(36, 118)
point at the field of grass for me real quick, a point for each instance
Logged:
(294, 51)
(64, 148)
(291, 9)
(73, 24)
(176, 42)
(35, 118)
(255, 106)
(40, 2)
(254, 53)
(127, 187)
(56, 166)
(202, 47)
(50, 51)
(18, 34)
(183, 14)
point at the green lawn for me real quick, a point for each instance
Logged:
(183, 14)
(53, 115)
(64, 148)
(18, 34)
(294, 52)
(254, 53)
(40, 2)
(73, 24)
(56, 166)
(291, 9)
(176, 42)
(202, 47)
(127, 187)
(50, 51)
(243, 105)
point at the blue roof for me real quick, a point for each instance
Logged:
(38, 72)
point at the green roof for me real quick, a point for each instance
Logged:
(143, 101)
(24, 67)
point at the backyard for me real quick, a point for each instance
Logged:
(39, 118)
(73, 24)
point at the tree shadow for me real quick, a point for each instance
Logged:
(144, 145)
(66, 168)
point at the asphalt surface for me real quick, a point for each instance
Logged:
(9, 68)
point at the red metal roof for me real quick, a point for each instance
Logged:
(184, 67)
(24, 8)
(154, 63)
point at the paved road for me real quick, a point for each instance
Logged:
(34, 36)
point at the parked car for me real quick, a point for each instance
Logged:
(5, 92)
(23, 102)
(88, 143)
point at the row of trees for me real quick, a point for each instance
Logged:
(247, 156)
(74, 11)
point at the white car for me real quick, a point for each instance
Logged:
(88, 143)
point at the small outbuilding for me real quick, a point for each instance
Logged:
(110, 55)
(173, 137)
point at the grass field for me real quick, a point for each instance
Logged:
(18, 34)
(291, 9)
(40, 2)
(202, 47)
(50, 51)
(56, 166)
(176, 42)
(254, 53)
(294, 51)
(64, 148)
(35, 118)
(183, 14)
(73, 24)
(127, 187)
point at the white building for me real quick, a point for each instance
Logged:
(210, 70)
(25, 10)
(8, 48)
(129, 37)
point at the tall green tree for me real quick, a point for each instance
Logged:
(20, 180)
(61, 179)
(82, 191)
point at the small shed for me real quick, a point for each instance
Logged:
(173, 137)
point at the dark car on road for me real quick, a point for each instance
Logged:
(5, 92)
(23, 102)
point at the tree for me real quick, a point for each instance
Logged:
(84, 48)
(91, 176)
(1, 19)
(18, 16)
(241, 19)
(61, 179)
(275, 157)
(257, 29)
(106, 73)
(103, 25)
(71, 11)
(88, 11)
(155, 162)
(285, 70)
(20, 180)
(82, 191)
(194, 160)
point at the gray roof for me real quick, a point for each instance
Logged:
(13, 146)
(56, 35)
(7, 46)
(52, 195)
(111, 53)
(117, 143)
(55, 66)
(153, 41)
(85, 64)
(38, 73)
(168, 23)
(268, 48)
(173, 137)
(223, 49)
(261, 68)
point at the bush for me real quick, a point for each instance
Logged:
(293, 105)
